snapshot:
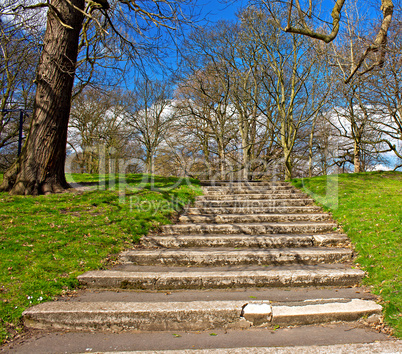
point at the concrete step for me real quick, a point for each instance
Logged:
(192, 316)
(249, 228)
(224, 257)
(234, 191)
(251, 203)
(254, 210)
(252, 196)
(220, 278)
(243, 183)
(370, 346)
(273, 294)
(249, 191)
(313, 339)
(242, 241)
(253, 218)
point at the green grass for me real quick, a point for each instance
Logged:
(369, 208)
(46, 241)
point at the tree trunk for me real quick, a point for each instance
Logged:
(357, 158)
(287, 151)
(310, 147)
(246, 153)
(246, 162)
(205, 149)
(288, 164)
(222, 162)
(149, 162)
(40, 167)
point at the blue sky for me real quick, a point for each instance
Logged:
(209, 12)
(220, 10)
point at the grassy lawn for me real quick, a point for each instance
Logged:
(46, 241)
(369, 208)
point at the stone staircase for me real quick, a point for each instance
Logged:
(245, 255)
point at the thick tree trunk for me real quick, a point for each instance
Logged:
(40, 167)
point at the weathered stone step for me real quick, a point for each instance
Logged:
(192, 316)
(249, 191)
(254, 196)
(251, 203)
(220, 279)
(246, 190)
(252, 218)
(242, 241)
(243, 183)
(249, 228)
(273, 294)
(223, 256)
(361, 346)
(254, 210)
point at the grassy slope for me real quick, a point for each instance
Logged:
(46, 241)
(370, 211)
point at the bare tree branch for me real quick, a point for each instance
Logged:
(307, 31)
(378, 46)
(380, 41)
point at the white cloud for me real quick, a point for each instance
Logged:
(381, 168)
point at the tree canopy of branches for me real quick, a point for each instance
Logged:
(302, 19)
(253, 87)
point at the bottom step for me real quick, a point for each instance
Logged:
(193, 316)
(315, 339)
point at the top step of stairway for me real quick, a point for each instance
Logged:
(244, 183)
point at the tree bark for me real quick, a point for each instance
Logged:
(40, 167)
(243, 129)
(357, 158)
(310, 147)
(149, 162)
(288, 164)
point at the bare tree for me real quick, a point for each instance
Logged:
(387, 94)
(352, 124)
(225, 78)
(98, 130)
(292, 78)
(354, 111)
(248, 95)
(152, 115)
(323, 148)
(205, 102)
